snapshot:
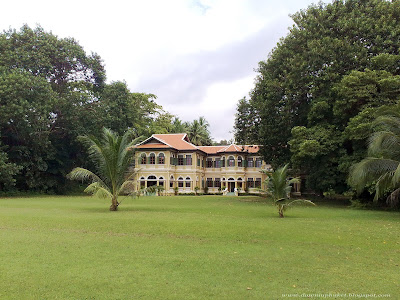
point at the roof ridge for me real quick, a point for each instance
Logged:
(171, 133)
(161, 140)
(183, 139)
(213, 146)
(223, 150)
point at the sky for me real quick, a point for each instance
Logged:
(199, 57)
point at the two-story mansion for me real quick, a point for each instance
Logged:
(171, 161)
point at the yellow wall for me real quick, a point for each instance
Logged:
(196, 173)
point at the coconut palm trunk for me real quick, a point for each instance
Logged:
(114, 204)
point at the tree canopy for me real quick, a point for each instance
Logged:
(51, 92)
(315, 95)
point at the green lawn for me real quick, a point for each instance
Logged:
(208, 247)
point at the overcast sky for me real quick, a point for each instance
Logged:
(198, 56)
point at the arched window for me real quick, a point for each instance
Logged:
(161, 181)
(161, 158)
(151, 180)
(180, 182)
(143, 159)
(239, 183)
(152, 159)
(240, 161)
(188, 182)
(171, 182)
(231, 161)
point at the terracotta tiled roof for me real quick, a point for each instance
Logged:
(152, 146)
(229, 148)
(211, 149)
(180, 141)
(249, 148)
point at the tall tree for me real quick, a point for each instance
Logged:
(246, 123)
(61, 61)
(301, 83)
(198, 132)
(26, 103)
(178, 126)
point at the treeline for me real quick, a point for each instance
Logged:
(317, 94)
(52, 91)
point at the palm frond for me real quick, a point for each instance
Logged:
(390, 121)
(382, 168)
(126, 186)
(383, 184)
(396, 176)
(384, 143)
(98, 190)
(369, 170)
(300, 201)
(394, 198)
(84, 175)
(103, 193)
(97, 152)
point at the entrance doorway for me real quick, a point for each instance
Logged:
(231, 185)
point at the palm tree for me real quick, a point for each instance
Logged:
(204, 124)
(382, 166)
(112, 156)
(198, 132)
(178, 126)
(279, 187)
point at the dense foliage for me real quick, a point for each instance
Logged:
(197, 130)
(315, 96)
(51, 92)
(380, 171)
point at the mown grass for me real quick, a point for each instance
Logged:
(208, 247)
